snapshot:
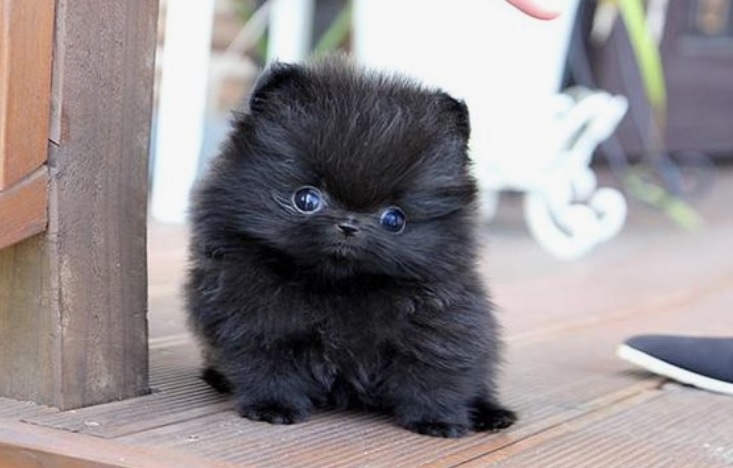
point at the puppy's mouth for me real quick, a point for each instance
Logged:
(344, 250)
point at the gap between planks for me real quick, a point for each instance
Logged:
(27, 446)
(657, 305)
(646, 394)
(636, 395)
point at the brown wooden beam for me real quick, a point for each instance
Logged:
(27, 446)
(73, 301)
(23, 208)
(26, 41)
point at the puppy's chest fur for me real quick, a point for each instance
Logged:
(355, 326)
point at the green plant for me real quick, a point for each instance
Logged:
(333, 38)
(337, 32)
(649, 61)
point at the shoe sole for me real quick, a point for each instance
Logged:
(657, 366)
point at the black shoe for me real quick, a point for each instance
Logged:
(702, 362)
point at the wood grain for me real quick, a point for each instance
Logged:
(16, 410)
(26, 45)
(688, 428)
(179, 395)
(28, 446)
(74, 325)
(29, 326)
(23, 211)
(99, 196)
(571, 377)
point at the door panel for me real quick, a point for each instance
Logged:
(26, 47)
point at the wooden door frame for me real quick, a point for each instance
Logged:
(73, 299)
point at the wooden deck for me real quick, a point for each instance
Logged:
(579, 405)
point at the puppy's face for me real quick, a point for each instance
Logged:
(353, 173)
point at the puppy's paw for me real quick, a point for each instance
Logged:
(489, 417)
(438, 429)
(273, 412)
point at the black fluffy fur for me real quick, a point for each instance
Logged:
(295, 315)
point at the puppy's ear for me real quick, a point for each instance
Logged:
(277, 78)
(457, 111)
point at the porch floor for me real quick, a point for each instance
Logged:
(579, 405)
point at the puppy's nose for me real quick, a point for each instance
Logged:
(347, 228)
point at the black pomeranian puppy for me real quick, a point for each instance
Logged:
(333, 255)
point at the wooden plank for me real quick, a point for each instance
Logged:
(343, 439)
(179, 395)
(167, 254)
(587, 355)
(17, 410)
(26, 44)
(27, 446)
(678, 427)
(668, 268)
(77, 331)
(23, 209)
(551, 382)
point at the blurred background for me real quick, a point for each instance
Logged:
(602, 142)
(630, 96)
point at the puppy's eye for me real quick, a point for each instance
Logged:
(392, 219)
(308, 200)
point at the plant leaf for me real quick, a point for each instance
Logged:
(647, 56)
(336, 32)
(673, 207)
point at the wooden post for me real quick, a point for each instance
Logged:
(73, 300)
